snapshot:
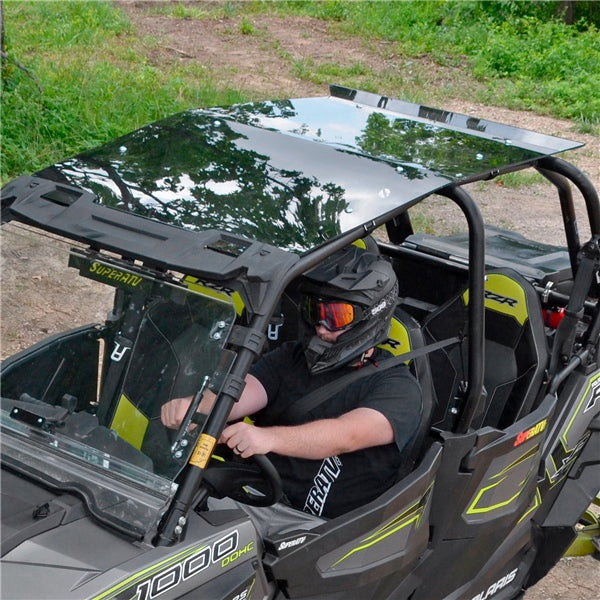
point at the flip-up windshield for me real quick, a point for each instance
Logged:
(81, 410)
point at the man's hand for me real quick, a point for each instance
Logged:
(253, 398)
(246, 440)
(173, 412)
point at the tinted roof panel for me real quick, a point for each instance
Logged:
(294, 173)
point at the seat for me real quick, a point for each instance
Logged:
(406, 335)
(516, 352)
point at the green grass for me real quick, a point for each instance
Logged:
(89, 78)
(325, 73)
(521, 55)
(88, 81)
(521, 179)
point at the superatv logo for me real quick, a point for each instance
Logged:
(496, 587)
(330, 470)
(292, 543)
(529, 433)
(113, 274)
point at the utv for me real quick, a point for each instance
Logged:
(200, 225)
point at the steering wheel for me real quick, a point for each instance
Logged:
(253, 481)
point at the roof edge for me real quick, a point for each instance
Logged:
(523, 138)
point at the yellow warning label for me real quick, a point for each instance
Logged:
(203, 450)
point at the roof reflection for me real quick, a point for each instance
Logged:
(293, 173)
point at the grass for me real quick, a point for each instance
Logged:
(89, 77)
(521, 179)
(525, 59)
(90, 82)
(324, 73)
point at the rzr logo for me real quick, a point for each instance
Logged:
(593, 396)
(393, 344)
(213, 286)
(512, 302)
(568, 460)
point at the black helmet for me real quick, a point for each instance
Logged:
(364, 280)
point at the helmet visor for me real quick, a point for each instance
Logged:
(332, 314)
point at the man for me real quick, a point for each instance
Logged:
(348, 449)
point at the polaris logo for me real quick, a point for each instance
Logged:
(291, 543)
(497, 586)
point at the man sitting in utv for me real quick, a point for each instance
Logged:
(348, 449)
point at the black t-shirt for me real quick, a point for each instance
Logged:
(337, 484)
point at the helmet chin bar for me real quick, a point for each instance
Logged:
(322, 356)
(313, 351)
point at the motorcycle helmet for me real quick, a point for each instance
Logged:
(352, 290)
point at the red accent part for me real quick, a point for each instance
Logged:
(553, 316)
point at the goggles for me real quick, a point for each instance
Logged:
(332, 314)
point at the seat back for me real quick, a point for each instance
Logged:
(516, 347)
(406, 335)
(449, 364)
(516, 351)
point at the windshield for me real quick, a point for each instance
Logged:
(81, 408)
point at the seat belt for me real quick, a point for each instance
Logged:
(311, 400)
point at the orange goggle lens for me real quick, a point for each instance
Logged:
(333, 315)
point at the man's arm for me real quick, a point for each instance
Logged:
(253, 398)
(357, 429)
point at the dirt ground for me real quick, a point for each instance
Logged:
(264, 65)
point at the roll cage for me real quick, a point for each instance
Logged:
(260, 273)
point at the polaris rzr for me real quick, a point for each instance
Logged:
(200, 226)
